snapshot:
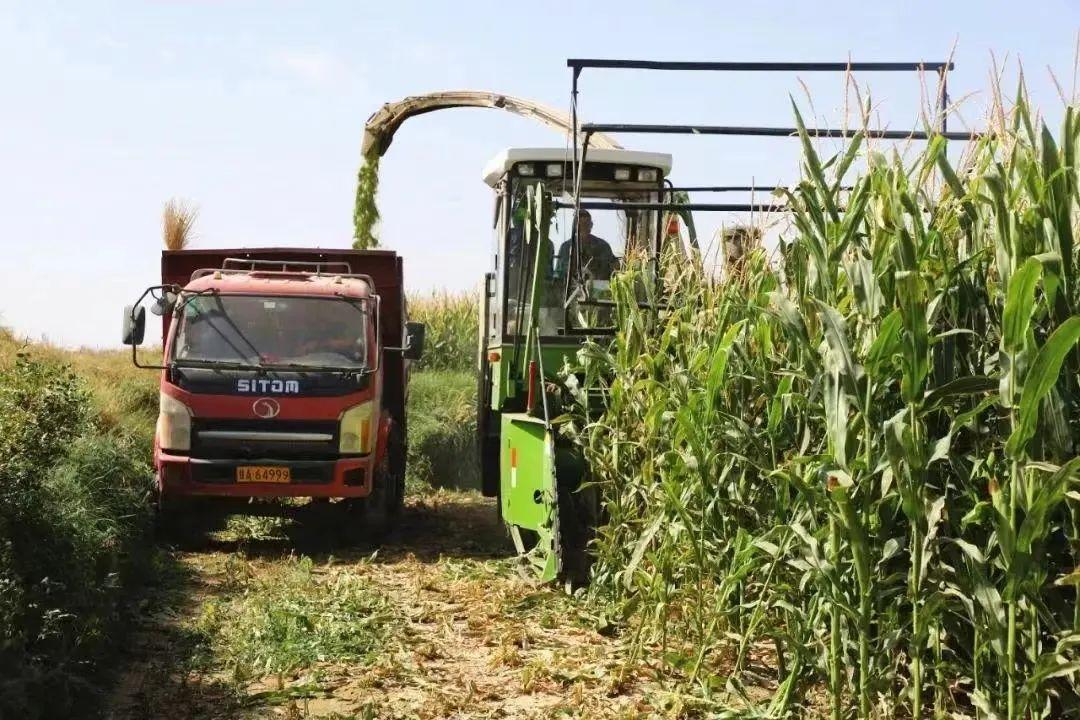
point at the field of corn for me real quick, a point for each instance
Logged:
(844, 481)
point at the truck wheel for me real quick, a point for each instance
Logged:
(397, 456)
(375, 511)
(372, 513)
(170, 514)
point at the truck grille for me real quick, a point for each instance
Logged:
(264, 439)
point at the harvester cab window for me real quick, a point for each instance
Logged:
(596, 247)
(583, 250)
(519, 274)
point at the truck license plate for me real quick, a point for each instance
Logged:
(263, 474)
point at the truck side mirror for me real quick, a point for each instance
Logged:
(134, 325)
(414, 340)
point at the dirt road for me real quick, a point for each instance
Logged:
(283, 619)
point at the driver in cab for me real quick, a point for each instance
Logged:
(595, 259)
(332, 333)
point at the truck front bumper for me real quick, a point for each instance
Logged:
(179, 475)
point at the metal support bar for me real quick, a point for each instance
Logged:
(735, 188)
(580, 63)
(585, 332)
(753, 131)
(716, 207)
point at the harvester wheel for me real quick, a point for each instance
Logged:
(578, 510)
(487, 442)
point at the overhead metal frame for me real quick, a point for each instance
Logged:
(754, 131)
(733, 188)
(577, 65)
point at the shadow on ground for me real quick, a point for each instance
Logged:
(152, 673)
(442, 525)
(160, 670)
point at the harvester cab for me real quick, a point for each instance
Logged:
(579, 253)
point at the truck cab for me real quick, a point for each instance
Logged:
(284, 374)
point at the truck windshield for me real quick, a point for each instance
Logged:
(273, 331)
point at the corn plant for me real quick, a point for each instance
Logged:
(451, 318)
(849, 476)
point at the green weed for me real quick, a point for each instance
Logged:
(73, 527)
(442, 430)
(295, 617)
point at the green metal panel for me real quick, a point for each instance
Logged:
(527, 462)
(506, 384)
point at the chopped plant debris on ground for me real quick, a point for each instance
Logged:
(287, 618)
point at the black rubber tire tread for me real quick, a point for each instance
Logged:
(397, 457)
(487, 443)
(578, 514)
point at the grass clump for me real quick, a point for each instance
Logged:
(73, 528)
(296, 617)
(442, 430)
(124, 398)
(844, 484)
(442, 394)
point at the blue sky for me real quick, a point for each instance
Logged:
(254, 111)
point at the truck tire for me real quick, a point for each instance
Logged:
(168, 520)
(397, 456)
(183, 519)
(372, 513)
(375, 512)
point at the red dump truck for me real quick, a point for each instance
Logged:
(284, 374)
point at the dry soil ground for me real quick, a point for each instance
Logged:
(286, 619)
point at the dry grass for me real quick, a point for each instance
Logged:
(124, 395)
(177, 221)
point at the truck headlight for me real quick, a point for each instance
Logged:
(173, 424)
(355, 432)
